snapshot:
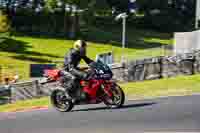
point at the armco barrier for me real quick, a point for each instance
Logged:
(159, 67)
(178, 65)
(5, 92)
(145, 69)
(25, 90)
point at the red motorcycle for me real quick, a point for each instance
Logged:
(99, 88)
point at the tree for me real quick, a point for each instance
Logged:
(30, 10)
(70, 10)
(11, 7)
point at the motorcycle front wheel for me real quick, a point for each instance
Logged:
(117, 99)
(60, 101)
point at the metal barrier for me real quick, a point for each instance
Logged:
(5, 91)
(25, 90)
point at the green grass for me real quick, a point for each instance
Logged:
(182, 85)
(18, 52)
(21, 105)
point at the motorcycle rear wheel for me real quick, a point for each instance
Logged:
(60, 101)
(118, 98)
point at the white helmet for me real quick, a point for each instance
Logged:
(78, 44)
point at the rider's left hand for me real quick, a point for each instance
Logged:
(84, 68)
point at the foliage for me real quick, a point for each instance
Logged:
(169, 15)
(119, 5)
(4, 23)
(58, 13)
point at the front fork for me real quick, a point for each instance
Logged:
(107, 90)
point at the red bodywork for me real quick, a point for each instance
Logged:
(94, 85)
(53, 74)
(90, 87)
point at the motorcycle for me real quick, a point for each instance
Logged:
(100, 88)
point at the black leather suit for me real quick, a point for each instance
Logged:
(72, 60)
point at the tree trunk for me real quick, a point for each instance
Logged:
(77, 26)
(74, 26)
(66, 23)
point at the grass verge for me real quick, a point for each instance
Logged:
(176, 86)
(182, 85)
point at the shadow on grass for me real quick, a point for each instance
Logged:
(40, 35)
(135, 37)
(40, 54)
(32, 59)
(15, 46)
(138, 44)
(124, 107)
(21, 47)
(112, 35)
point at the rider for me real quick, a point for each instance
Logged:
(72, 60)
